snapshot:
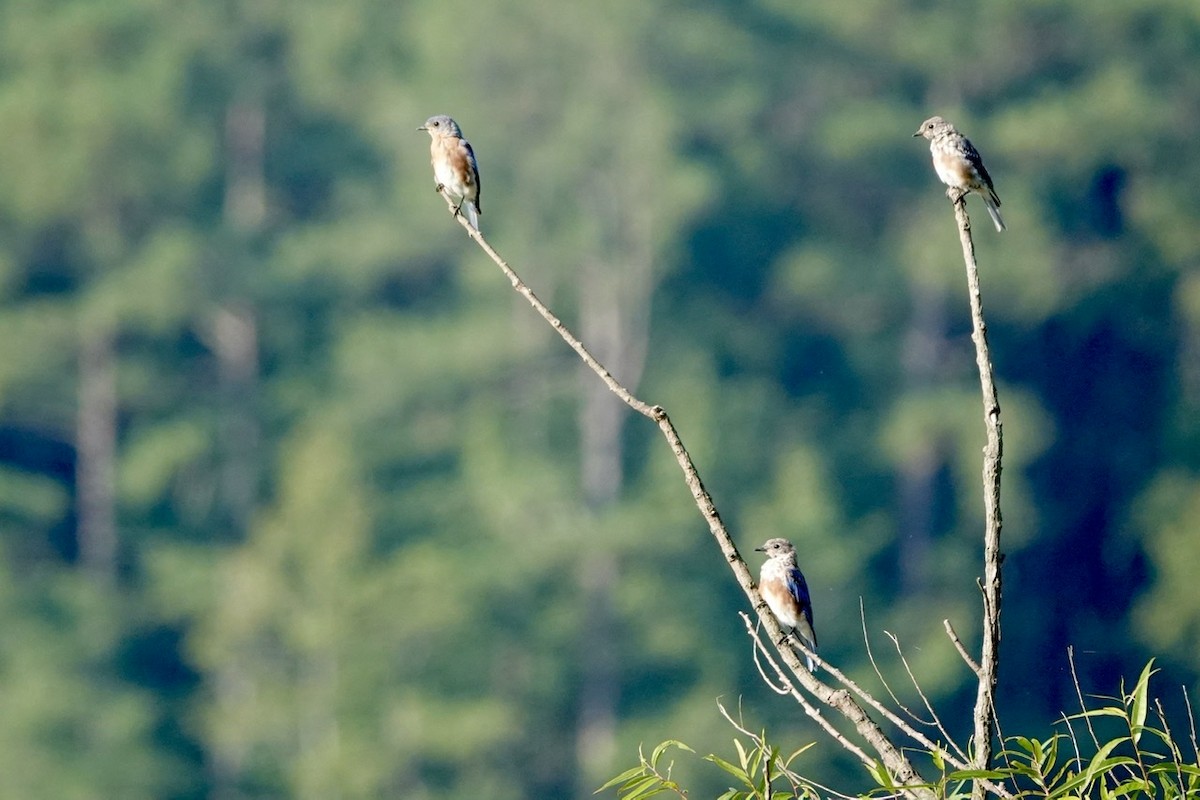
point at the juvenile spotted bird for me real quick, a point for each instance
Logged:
(783, 587)
(454, 165)
(959, 164)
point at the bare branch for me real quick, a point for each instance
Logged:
(1191, 722)
(862, 616)
(784, 686)
(891, 716)
(962, 651)
(1169, 739)
(937, 721)
(1079, 693)
(892, 758)
(1074, 740)
(985, 710)
(809, 709)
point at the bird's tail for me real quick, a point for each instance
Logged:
(808, 638)
(993, 211)
(472, 214)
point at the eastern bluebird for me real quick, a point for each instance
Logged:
(783, 587)
(959, 164)
(454, 165)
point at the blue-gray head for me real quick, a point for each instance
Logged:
(441, 125)
(778, 548)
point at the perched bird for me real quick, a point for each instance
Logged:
(454, 165)
(959, 164)
(783, 587)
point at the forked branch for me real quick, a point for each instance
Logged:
(891, 756)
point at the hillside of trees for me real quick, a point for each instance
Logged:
(299, 500)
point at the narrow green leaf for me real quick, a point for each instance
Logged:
(1107, 711)
(662, 748)
(1099, 760)
(646, 787)
(735, 771)
(1137, 787)
(1025, 744)
(741, 754)
(881, 775)
(622, 778)
(790, 758)
(1062, 790)
(1141, 701)
(755, 761)
(971, 774)
(1026, 770)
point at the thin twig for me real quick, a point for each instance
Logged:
(1074, 741)
(891, 716)
(887, 687)
(1191, 722)
(1079, 693)
(932, 722)
(962, 651)
(1176, 754)
(937, 721)
(809, 709)
(896, 762)
(784, 686)
(895, 719)
(993, 452)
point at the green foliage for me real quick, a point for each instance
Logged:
(1145, 760)
(759, 769)
(70, 726)
(356, 551)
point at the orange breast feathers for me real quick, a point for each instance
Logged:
(954, 171)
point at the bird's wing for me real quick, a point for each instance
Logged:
(799, 590)
(977, 162)
(474, 171)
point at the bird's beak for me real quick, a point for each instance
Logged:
(760, 549)
(422, 128)
(918, 133)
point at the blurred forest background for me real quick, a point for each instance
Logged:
(298, 499)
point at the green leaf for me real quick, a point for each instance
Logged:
(882, 777)
(1141, 701)
(1076, 780)
(1100, 762)
(741, 754)
(1025, 744)
(1107, 711)
(972, 774)
(733, 770)
(662, 748)
(646, 787)
(625, 776)
(1135, 787)
(755, 761)
(795, 753)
